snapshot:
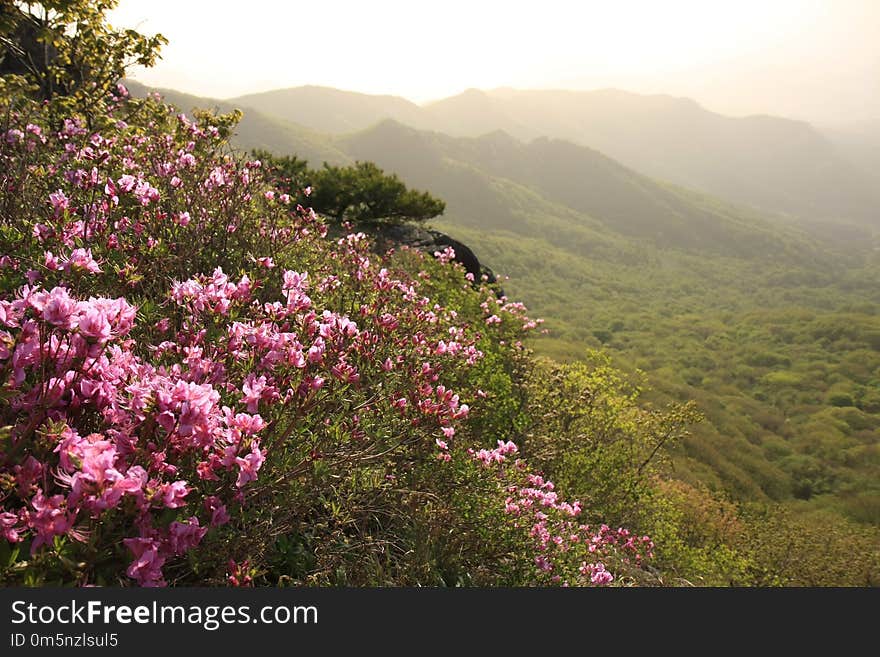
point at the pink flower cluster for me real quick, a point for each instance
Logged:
(492, 305)
(127, 195)
(66, 363)
(497, 455)
(566, 551)
(214, 294)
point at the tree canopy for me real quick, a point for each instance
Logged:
(66, 49)
(362, 193)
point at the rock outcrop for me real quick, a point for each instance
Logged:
(429, 241)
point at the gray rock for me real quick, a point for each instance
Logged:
(428, 241)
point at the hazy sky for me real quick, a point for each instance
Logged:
(812, 59)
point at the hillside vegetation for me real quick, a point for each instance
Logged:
(771, 329)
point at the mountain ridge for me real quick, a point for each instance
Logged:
(256, 130)
(465, 171)
(563, 178)
(770, 163)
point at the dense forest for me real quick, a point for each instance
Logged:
(212, 374)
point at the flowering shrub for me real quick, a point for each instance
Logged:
(563, 549)
(68, 369)
(199, 386)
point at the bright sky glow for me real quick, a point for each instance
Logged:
(813, 59)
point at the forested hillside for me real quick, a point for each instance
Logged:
(567, 176)
(773, 332)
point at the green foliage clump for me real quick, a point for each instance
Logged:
(361, 194)
(590, 433)
(65, 50)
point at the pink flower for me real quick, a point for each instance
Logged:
(205, 469)
(72, 128)
(59, 308)
(13, 135)
(183, 536)
(93, 324)
(507, 448)
(186, 160)
(49, 518)
(543, 563)
(59, 202)
(127, 182)
(294, 281)
(597, 573)
(316, 351)
(81, 260)
(42, 232)
(249, 465)
(219, 515)
(147, 565)
(145, 192)
(96, 459)
(171, 495)
(345, 372)
(446, 255)
(253, 388)
(51, 262)
(248, 425)
(10, 526)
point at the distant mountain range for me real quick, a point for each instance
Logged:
(860, 142)
(773, 164)
(498, 180)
